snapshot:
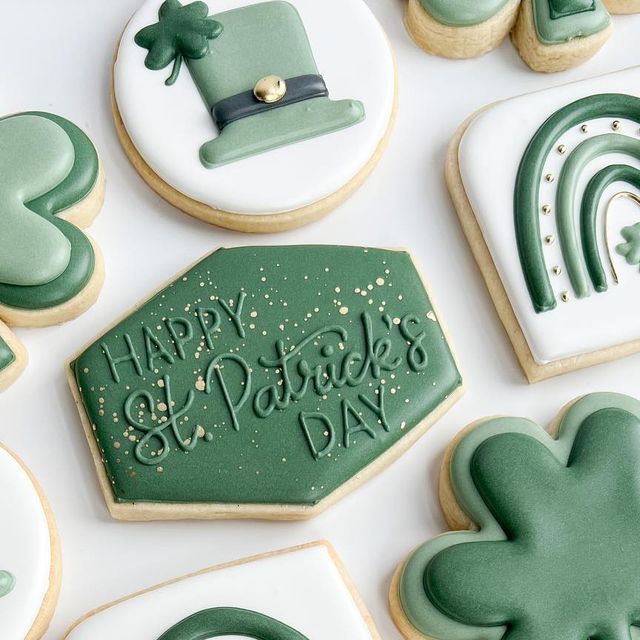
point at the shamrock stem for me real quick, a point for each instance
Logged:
(177, 65)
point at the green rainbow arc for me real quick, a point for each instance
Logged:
(229, 621)
(589, 213)
(530, 175)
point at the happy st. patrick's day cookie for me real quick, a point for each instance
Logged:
(551, 35)
(545, 540)
(254, 115)
(547, 187)
(51, 185)
(303, 593)
(30, 567)
(264, 382)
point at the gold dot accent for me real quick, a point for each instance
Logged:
(584, 128)
(564, 296)
(550, 239)
(557, 270)
(562, 149)
(546, 209)
(549, 177)
(270, 89)
(615, 125)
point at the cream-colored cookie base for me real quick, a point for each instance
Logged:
(50, 600)
(261, 223)
(9, 375)
(357, 607)
(623, 6)
(534, 371)
(549, 58)
(456, 518)
(459, 42)
(150, 511)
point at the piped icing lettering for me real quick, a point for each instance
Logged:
(265, 375)
(47, 165)
(557, 523)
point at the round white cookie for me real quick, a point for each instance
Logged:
(300, 177)
(29, 554)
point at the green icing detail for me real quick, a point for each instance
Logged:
(7, 356)
(631, 248)
(559, 21)
(572, 170)
(225, 621)
(268, 375)
(462, 13)
(557, 551)
(588, 216)
(256, 41)
(527, 198)
(73, 160)
(181, 33)
(7, 583)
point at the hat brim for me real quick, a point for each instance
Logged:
(280, 127)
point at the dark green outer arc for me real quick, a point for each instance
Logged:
(588, 216)
(526, 199)
(228, 621)
(72, 190)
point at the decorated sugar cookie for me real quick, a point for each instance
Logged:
(545, 542)
(254, 115)
(264, 382)
(50, 185)
(551, 35)
(547, 188)
(302, 593)
(29, 554)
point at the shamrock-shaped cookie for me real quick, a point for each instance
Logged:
(50, 184)
(630, 249)
(551, 35)
(547, 542)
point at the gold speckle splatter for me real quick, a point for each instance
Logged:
(344, 311)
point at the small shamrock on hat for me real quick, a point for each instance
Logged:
(181, 32)
(631, 248)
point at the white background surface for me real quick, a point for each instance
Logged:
(56, 56)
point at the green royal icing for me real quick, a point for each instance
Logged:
(265, 375)
(589, 213)
(630, 249)
(557, 552)
(230, 52)
(7, 583)
(48, 165)
(7, 356)
(567, 189)
(214, 623)
(530, 174)
(462, 13)
(559, 21)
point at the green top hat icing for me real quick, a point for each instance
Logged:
(227, 54)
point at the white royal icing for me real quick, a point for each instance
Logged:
(25, 549)
(169, 124)
(490, 154)
(303, 589)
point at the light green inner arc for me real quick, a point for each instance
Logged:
(423, 614)
(36, 155)
(279, 45)
(577, 23)
(462, 13)
(566, 200)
